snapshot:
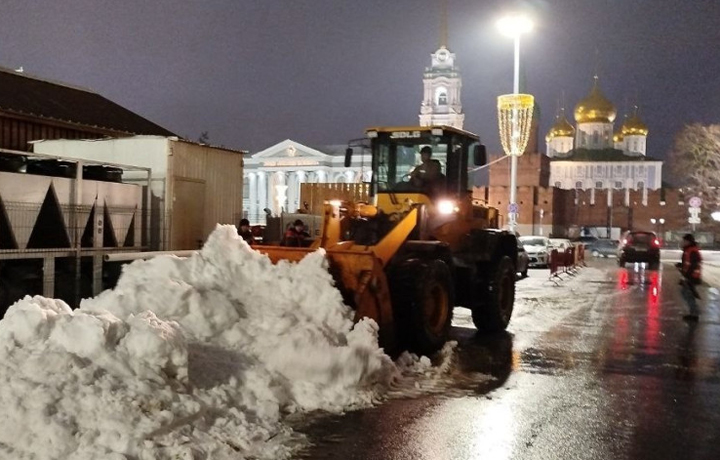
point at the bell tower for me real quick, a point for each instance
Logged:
(441, 103)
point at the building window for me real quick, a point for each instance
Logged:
(596, 137)
(558, 184)
(599, 184)
(578, 185)
(246, 188)
(618, 185)
(441, 96)
(640, 185)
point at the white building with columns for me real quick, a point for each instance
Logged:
(273, 176)
(593, 156)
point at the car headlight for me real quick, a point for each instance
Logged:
(447, 207)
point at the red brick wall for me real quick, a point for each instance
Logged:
(533, 170)
(563, 211)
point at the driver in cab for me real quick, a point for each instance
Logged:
(428, 174)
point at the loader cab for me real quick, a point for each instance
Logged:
(398, 154)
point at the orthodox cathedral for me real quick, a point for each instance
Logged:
(592, 155)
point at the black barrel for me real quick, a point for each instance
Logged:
(102, 173)
(12, 163)
(54, 168)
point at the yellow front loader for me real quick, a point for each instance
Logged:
(420, 245)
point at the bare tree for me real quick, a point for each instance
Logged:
(695, 159)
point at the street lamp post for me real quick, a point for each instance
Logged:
(514, 26)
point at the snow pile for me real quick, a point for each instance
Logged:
(185, 358)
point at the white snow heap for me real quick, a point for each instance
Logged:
(185, 358)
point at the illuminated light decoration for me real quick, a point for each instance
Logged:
(446, 207)
(335, 203)
(515, 113)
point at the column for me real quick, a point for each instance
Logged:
(300, 180)
(291, 192)
(252, 198)
(262, 194)
(279, 192)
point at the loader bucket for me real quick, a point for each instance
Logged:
(358, 274)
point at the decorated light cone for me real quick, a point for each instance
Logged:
(515, 113)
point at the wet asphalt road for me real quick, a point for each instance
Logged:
(620, 377)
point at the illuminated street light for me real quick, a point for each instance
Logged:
(517, 110)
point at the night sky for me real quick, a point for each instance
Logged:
(256, 72)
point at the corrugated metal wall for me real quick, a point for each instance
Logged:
(221, 173)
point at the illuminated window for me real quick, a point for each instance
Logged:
(441, 97)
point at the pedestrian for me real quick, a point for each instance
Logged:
(245, 232)
(690, 268)
(295, 235)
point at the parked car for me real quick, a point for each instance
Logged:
(523, 261)
(602, 247)
(538, 250)
(586, 240)
(639, 247)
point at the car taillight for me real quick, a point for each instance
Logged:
(656, 243)
(625, 241)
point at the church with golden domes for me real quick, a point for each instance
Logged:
(592, 155)
(593, 178)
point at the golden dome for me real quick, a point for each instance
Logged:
(595, 108)
(561, 128)
(634, 126)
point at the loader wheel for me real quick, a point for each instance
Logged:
(424, 302)
(494, 308)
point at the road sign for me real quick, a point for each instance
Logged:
(693, 220)
(695, 212)
(513, 208)
(695, 202)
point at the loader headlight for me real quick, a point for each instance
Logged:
(446, 207)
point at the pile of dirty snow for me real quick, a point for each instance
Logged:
(186, 358)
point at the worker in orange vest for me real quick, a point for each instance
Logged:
(690, 268)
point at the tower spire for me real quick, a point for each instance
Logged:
(443, 24)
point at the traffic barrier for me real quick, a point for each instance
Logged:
(581, 255)
(554, 263)
(569, 259)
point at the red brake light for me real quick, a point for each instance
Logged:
(625, 241)
(656, 242)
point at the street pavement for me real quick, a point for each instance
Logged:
(597, 367)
